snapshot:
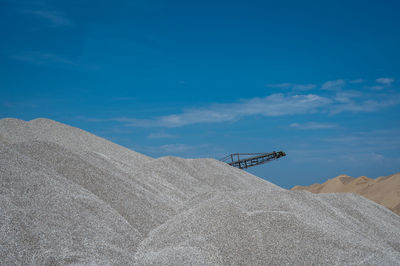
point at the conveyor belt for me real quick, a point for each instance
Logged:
(251, 159)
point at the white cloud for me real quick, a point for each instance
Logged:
(376, 88)
(333, 102)
(304, 87)
(333, 85)
(54, 17)
(313, 125)
(385, 81)
(382, 84)
(273, 105)
(347, 96)
(365, 105)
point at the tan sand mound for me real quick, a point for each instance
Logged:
(69, 197)
(384, 190)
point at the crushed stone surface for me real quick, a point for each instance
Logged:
(69, 197)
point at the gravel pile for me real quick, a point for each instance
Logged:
(384, 190)
(70, 197)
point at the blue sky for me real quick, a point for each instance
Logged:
(319, 80)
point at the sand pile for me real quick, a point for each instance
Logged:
(384, 190)
(68, 196)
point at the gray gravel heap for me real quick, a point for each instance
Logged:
(69, 197)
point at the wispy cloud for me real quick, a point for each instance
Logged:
(376, 87)
(347, 96)
(365, 105)
(304, 87)
(295, 87)
(385, 81)
(273, 105)
(54, 17)
(331, 102)
(382, 83)
(160, 135)
(313, 125)
(270, 106)
(333, 85)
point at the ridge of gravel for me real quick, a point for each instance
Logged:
(70, 197)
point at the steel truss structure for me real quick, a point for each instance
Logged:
(246, 160)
